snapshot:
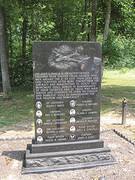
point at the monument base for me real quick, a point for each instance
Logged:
(41, 158)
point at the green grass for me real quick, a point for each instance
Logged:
(117, 85)
(20, 108)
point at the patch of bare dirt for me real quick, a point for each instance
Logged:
(112, 121)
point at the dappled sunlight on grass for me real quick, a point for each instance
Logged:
(30, 95)
(121, 72)
(116, 77)
(116, 86)
(127, 81)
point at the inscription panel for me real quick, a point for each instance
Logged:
(66, 88)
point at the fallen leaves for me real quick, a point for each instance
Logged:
(8, 160)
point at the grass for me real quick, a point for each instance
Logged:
(18, 109)
(115, 86)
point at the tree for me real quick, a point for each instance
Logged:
(84, 16)
(90, 19)
(94, 20)
(107, 19)
(68, 20)
(3, 55)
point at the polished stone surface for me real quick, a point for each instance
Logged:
(67, 91)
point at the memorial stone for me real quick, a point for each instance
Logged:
(67, 81)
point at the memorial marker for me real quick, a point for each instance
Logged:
(67, 80)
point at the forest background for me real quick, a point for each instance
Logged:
(111, 22)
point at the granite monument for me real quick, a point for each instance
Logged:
(67, 82)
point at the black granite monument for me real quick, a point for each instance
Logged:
(67, 80)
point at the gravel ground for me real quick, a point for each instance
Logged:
(12, 152)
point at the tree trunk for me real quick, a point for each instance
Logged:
(107, 19)
(84, 19)
(24, 36)
(10, 51)
(88, 20)
(62, 34)
(94, 20)
(3, 56)
(24, 32)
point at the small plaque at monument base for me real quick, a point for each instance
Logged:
(67, 80)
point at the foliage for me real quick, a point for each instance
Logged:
(67, 20)
(119, 49)
(119, 52)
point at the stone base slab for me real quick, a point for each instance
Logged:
(65, 146)
(65, 160)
